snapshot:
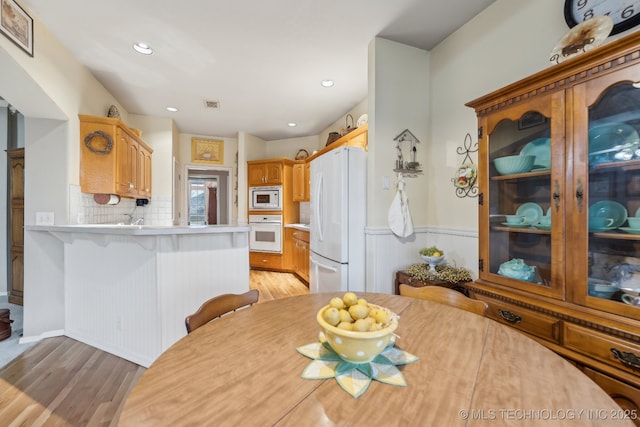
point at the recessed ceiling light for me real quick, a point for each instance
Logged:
(172, 109)
(292, 125)
(142, 48)
(327, 83)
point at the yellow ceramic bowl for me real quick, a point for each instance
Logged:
(357, 347)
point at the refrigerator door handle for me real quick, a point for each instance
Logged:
(318, 197)
(323, 266)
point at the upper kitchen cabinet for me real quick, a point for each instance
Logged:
(559, 211)
(265, 173)
(113, 159)
(301, 184)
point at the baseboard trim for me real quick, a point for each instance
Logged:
(48, 334)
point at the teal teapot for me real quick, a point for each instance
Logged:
(517, 269)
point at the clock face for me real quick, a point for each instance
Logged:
(624, 13)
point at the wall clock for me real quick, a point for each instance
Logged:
(624, 13)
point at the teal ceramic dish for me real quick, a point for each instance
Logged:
(541, 149)
(612, 142)
(602, 288)
(517, 269)
(609, 209)
(531, 211)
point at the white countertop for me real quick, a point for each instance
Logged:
(303, 227)
(133, 230)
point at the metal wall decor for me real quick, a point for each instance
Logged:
(465, 178)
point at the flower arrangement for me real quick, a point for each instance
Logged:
(446, 273)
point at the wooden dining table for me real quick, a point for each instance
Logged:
(243, 369)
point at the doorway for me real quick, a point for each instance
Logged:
(207, 195)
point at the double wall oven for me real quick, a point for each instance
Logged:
(266, 229)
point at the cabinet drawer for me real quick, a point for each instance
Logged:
(301, 235)
(599, 346)
(625, 395)
(526, 320)
(265, 260)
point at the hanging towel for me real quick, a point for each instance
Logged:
(399, 217)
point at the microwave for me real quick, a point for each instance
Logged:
(265, 198)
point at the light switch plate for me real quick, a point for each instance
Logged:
(44, 218)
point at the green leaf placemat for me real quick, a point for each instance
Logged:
(354, 378)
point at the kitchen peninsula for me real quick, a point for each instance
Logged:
(127, 289)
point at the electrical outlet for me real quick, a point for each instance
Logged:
(44, 218)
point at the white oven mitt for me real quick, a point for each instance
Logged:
(399, 217)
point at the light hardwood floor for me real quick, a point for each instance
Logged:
(62, 382)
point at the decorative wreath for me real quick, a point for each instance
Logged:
(106, 136)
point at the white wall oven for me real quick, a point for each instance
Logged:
(265, 198)
(266, 233)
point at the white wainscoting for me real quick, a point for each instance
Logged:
(387, 253)
(131, 300)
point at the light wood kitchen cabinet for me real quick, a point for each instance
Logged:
(144, 171)
(300, 243)
(301, 184)
(113, 159)
(265, 260)
(563, 283)
(265, 173)
(16, 223)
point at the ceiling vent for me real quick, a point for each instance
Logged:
(212, 105)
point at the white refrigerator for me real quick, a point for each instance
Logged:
(338, 215)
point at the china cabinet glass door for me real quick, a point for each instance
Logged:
(607, 193)
(521, 213)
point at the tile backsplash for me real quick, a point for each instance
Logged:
(84, 210)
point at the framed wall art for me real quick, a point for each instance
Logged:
(16, 25)
(209, 151)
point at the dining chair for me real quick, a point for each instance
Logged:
(446, 296)
(218, 306)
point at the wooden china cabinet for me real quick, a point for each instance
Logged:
(564, 284)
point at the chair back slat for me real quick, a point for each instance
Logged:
(446, 296)
(218, 306)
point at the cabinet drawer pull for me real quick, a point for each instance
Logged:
(509, 316)
(626, 358)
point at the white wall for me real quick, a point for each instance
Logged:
(398, 100)
(50, 89)
(508, 41)
(288, 148)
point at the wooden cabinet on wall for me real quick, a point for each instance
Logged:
(301, 184)
(113, 159)
(16, 223)
(580, 120)
(265, 172)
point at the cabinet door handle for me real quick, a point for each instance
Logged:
(556, 195)
(579, 195)
(626, 358)
(509, 316)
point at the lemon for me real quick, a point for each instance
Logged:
(331, 316)
(382, 317)
(361, 325)
(350, 299)
(358, 311)
(345, 316)
(346, 326)
(337, 303)
(436, 253)
(363, 301)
